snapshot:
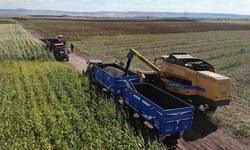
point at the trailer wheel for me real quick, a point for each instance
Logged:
(161, 85)
(175, 136)
(170, 142)
(98, 89)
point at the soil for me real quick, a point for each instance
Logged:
(77, 62)
(203, 134)
(77, 29)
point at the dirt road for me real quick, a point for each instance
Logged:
(74, 60)
(204, 135)
(77, 62)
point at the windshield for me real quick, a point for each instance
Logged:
(60, 48)
(158, 62)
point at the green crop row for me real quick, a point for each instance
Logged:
(44, 106)
(7, 21)
(17, 44)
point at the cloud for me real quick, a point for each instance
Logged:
(142, 1)
(244, 2)
(13, 1)
(185, 3)
(14, 4)
(207, 3)
(72, 4)
(160, 1)
(85, 0)
(172, 0)
(51, 1)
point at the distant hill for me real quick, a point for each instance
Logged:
(131, 14)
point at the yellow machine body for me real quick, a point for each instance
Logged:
(206, 84)
(185, 75)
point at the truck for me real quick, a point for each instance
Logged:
(50, 43)
(187, 78)
(60, 52)
(58, 47)
(168, 115)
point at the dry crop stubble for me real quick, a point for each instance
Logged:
(77, 30)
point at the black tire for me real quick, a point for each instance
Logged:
(83, 73)
(68, 59)
(175, 136)
(170, 142)
(98, 89)
(212, 108)
(87, 74)
(161, 85)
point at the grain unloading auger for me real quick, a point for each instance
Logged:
(187, 77)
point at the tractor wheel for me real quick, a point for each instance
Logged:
(87, 74)
(83, 73)
(161, 85)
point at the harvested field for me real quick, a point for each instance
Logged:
(76, 30)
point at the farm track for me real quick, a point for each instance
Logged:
(74, 60)
(203, 134)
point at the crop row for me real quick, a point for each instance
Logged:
(18, 44)
(45, 106)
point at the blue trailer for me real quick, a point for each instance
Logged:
(112, 84)
(165, 112)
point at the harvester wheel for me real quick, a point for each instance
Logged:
(212, 108)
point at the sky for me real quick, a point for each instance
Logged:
(241, 7)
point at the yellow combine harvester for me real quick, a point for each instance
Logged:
(188, 78)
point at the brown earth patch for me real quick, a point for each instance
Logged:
(78, 29)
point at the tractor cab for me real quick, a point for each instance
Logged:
(60, 38)
(90, 68)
